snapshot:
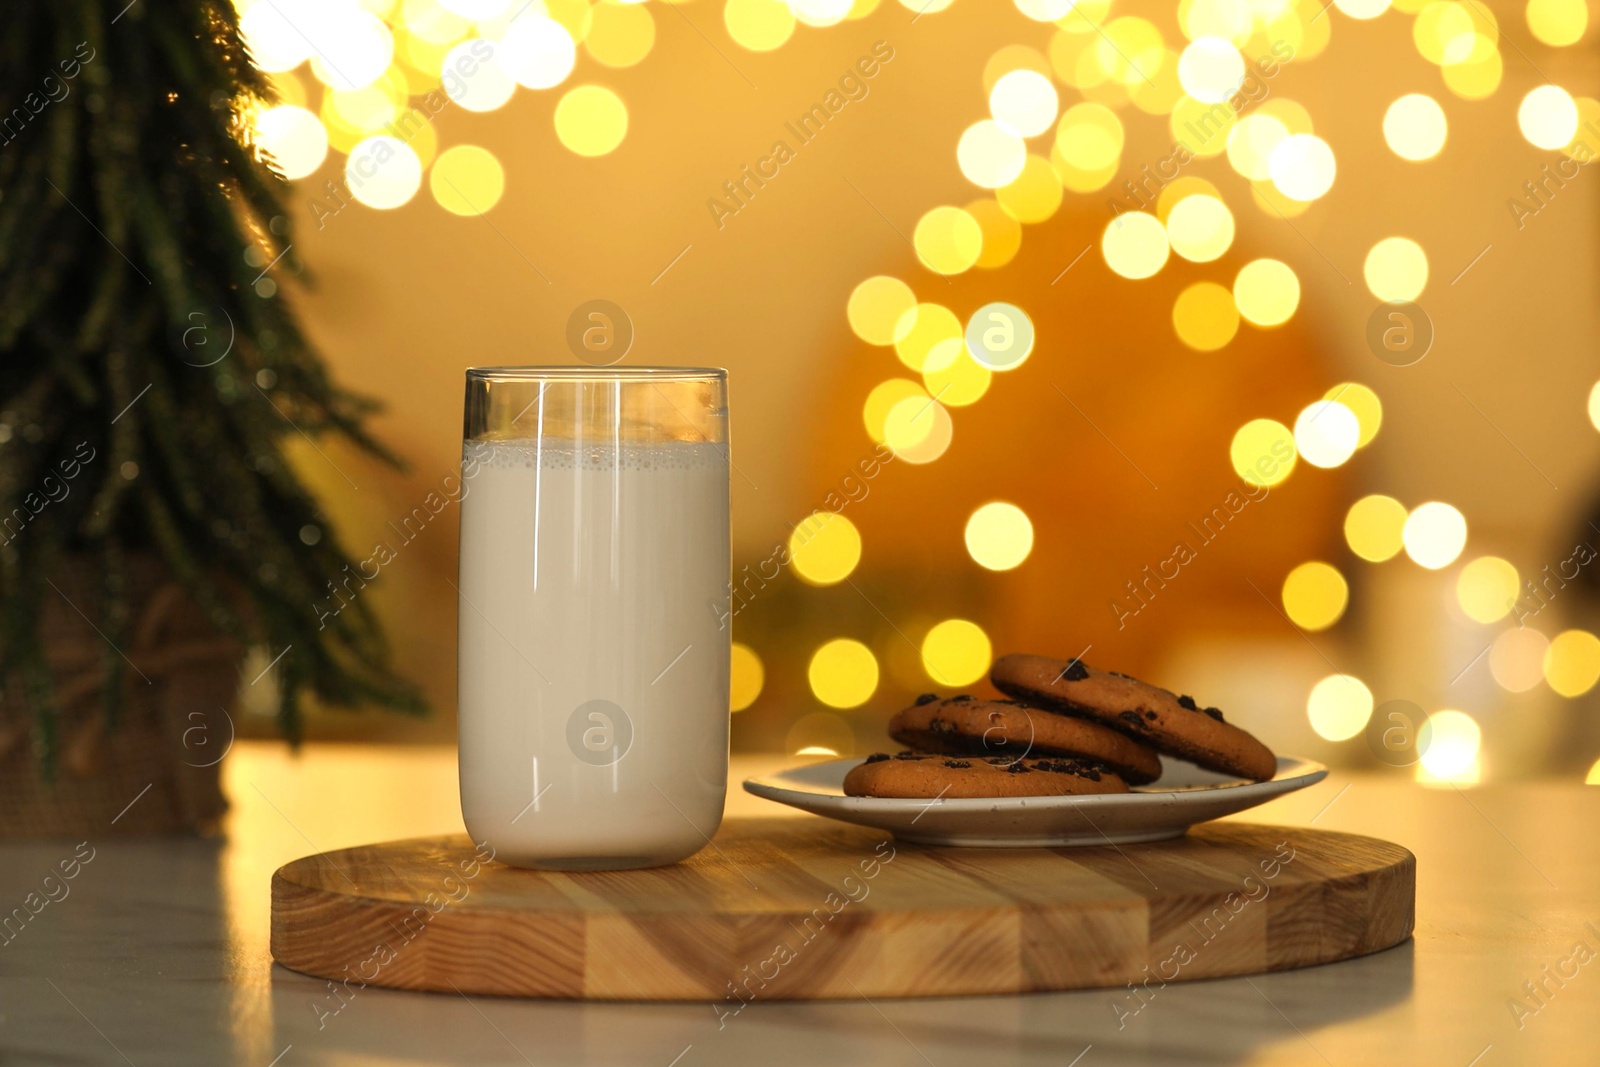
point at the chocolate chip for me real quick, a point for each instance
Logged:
(910, 755)
(1215, 713)
(1074, 671)
(1078, 768)
(1019, 768)
(876, 757)
(960, 698)
(1150, 715)
(940, 726)
(957, 764)
(1131, 717)
(926, 698)
(1187, 701)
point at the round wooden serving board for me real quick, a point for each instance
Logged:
(809, 908)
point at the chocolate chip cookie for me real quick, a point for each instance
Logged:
(924, 776)
(967, 726)
(1173, 725)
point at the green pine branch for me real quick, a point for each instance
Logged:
(130, 197)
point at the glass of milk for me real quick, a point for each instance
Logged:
(593, 624)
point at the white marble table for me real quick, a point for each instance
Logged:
(158, 953)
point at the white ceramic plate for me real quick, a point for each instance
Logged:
(1184, 795)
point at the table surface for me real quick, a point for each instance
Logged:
(158, 952)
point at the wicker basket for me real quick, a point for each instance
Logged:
(156, 771)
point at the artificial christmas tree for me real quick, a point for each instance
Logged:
(151, 528)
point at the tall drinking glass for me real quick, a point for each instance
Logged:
(593, 613)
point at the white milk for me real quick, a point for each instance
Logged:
(593, 589)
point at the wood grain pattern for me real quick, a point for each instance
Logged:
(809, 908)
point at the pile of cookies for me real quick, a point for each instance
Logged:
(1068, 729)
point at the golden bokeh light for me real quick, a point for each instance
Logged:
(963, 381)
(1373, 527)
(1415, 128)
(918, 429)
(1434, 534)
(432, 22)
(947, 240)
(824, 548)
(1013, 57)
(1090, 137)
(1160, 93)
(1580, 148)
(759, 25)
(881, 401)
(821, 13)
(293, 138)
(999, 536)
(1204, 315)
(477, 10)
(274, 42)
(1302, 166)
(1200, 228)
(289, 88)
(1486, 588)
(843, 673)
(538, 52)
(928, 337)
(1548, 117)
(1594, 405)
(956, 652)
(1516, 659)
(990, 155)
(1079, 180)
(1558, 22)
(1326, 433)
(1291, 114)
(383, 172)
(1045, 10)
(1025, 102)
(1362, 9)
(1202, 128)
(591, 120)
(1002, 234)
(1452, 750)
(1339, 707)
(1211, 69)
(366, 110)
(1364, 403)
(1445, 32)
(621, 34)
(490, 84)
(1262, 452)
(878, 308)
(1231, 20)
(1034, 196)
(353, 47)
(467, 180)
(1475, 79)
(1129, 49)
(1572, 663)
(1135, 245)
(1315, 595)
(1181, 189)
(1396, 269)
(1267, 292)
(1251, 143)
(746, 677)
